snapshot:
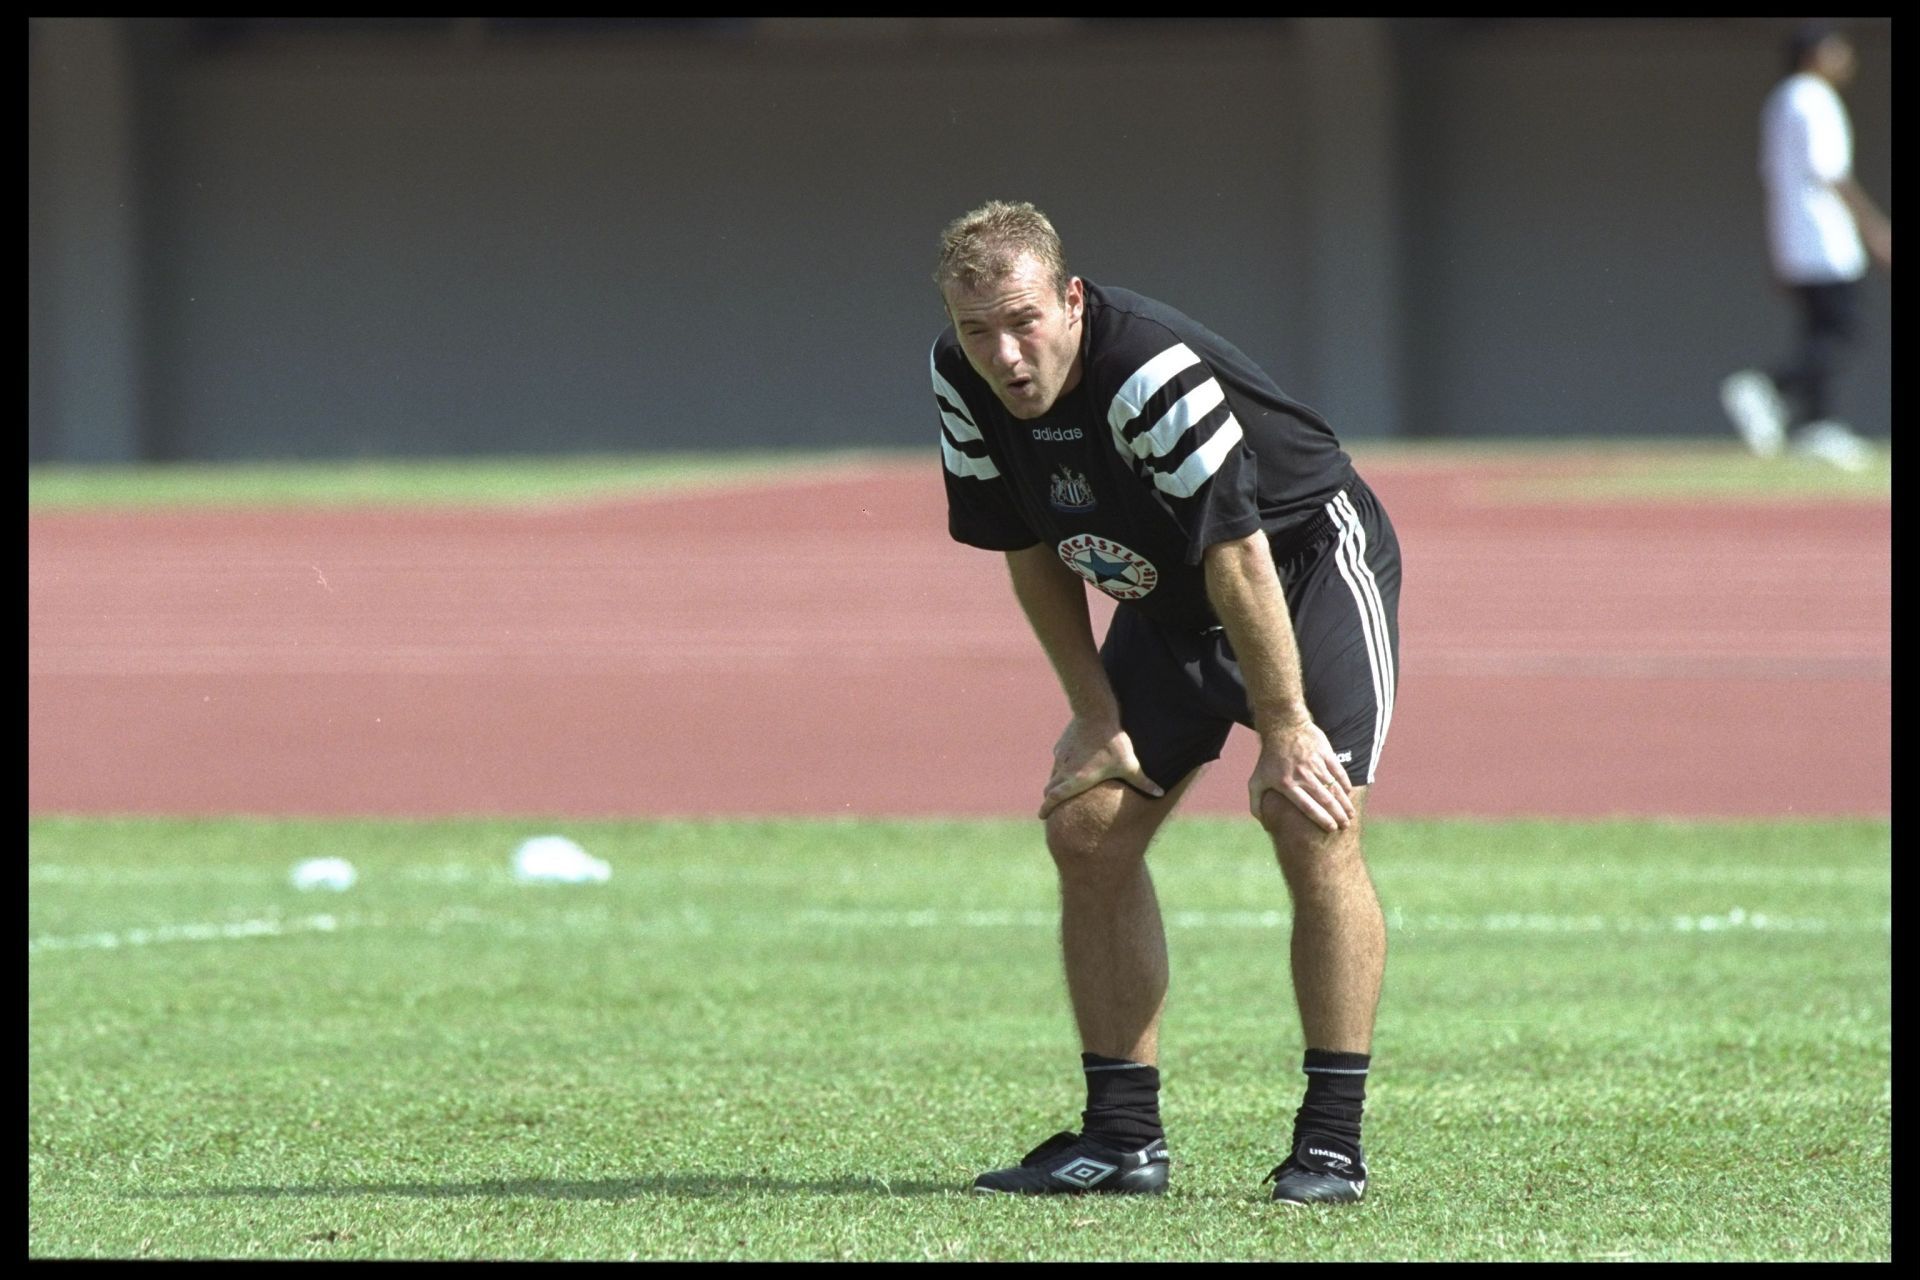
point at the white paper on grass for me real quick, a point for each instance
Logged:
(557, 860)
(335, 874)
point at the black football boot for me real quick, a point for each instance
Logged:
(1068, 1164)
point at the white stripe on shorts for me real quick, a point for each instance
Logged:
(1351, 556)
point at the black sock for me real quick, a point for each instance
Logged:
(1123, 1102)
(1336, 1093)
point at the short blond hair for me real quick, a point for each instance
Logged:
(982, 247)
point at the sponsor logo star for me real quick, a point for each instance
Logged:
(1119, 571)
(1105, 570)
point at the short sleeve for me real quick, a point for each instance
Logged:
(1829, 140)
(1175, 423)
(980, 508)
(1808, 139)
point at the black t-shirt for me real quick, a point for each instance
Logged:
(1172, 442)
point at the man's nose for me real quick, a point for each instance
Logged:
(1006, 351)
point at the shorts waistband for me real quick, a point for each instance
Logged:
(1313, 532)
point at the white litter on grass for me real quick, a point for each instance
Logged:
(335, 874)
(557, 860)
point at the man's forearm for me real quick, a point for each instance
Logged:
(1055, 601)
(1245, 590)
(1875, 228)
(1865, 212)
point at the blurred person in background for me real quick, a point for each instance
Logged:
(1821, 230)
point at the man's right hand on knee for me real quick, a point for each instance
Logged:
(1089, 753)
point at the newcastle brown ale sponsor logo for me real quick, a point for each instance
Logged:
(1119, 571)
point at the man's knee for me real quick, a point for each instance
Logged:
(1304, 847)
(1103, 828)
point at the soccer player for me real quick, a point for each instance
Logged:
(1821, 228)
(1097, 436)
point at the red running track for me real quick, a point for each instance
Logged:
(822, 648)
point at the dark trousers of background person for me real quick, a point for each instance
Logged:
(1829, 329)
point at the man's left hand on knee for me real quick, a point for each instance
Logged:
(1298, 764)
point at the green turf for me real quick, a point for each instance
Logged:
(800, 1040)
(1563, 471)
(1729, 473)
(400, 482)
(1606, 471)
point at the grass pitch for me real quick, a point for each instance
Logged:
(1563, 471)
(801, 1040)
(1580, 471)
(402, 482)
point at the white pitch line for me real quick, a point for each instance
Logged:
(1406, 871)
(226, 932)
(236, 930)
(252, 877)
(695, 924)
(1735, 919)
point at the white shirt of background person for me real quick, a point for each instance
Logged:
(1807, 146)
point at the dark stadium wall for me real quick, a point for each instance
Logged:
(359, 248)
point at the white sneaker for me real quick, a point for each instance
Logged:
(1833, 442)
(1757, 411)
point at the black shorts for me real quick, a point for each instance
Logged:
(1181, 692)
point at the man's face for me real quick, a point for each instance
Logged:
(1020, 336)
(1833, 60)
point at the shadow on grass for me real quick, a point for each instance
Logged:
(692, 1186)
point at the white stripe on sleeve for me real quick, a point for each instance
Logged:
(964, 465)
(1201, 463)
(1140, 388)
(958, 420)
(1179, 420)
(962, 429)
(960, 425)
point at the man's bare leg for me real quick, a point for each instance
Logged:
(1339, 947)
(1116, 962)
(1339, 951)
(1110, 932)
